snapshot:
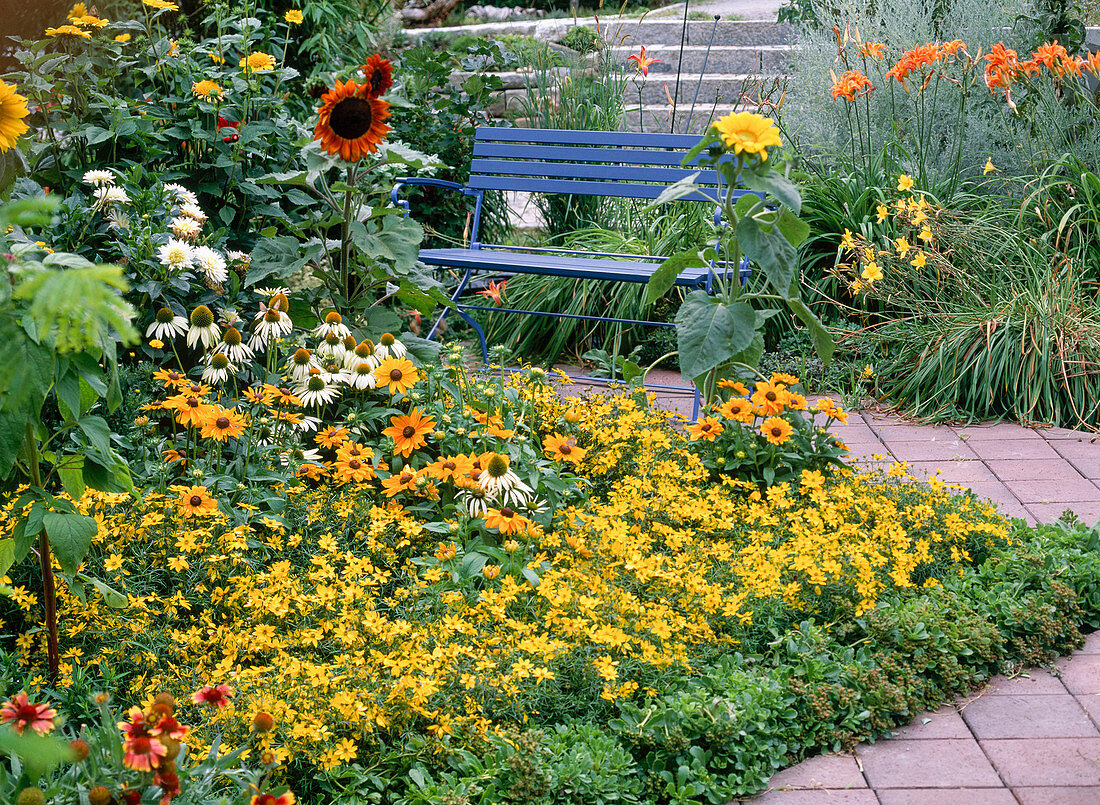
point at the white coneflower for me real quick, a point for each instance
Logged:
(389, 345)
(473, 500)
(218, 368)
(184, 195)
(362, 376)
(166, 325)
(333, 371)
(300, 363)
(203, 329)
(315, 391)
(332, 325)
(99, 178)
(186, 228)
(234, 256)
(175, 254)
(111, 195)
(234, 347)
(361, 353)
(300, 455)
(497, 479)
(271, 325)
(192, 210)
(269, 292)
(211, 264)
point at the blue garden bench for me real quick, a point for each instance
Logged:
(579, 163)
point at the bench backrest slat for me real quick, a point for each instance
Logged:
(621, 173)
(569, 137)
(589, 163)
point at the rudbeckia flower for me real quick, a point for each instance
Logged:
(195, 502)
(350, 122)
(408, 432)
(397, 375)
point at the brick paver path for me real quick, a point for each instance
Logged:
(1030, 740)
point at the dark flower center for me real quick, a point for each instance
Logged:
(565, 449)
(355, 451)
(507, 512)
(705, 427)
(449, 465)
(193, 402)
(406, 478)
(354, 464)
(222, 423)
(408, 432)
(771, 396)
(28, 713)
(351, 118)
(395, 374)
(196, 500)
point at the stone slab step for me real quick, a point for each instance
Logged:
(720, 58)
(725, 88)
(659, 118)
(650, 32)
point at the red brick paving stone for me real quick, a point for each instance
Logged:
(995, 432)
(995, 491)
(1016, 470)
(830, 796)
(1087, 512)
(961, 472)
(961, 796)
(1001, 449)
(1035, 681)
(1061, 488)
(1046, 761)
(916, 433)
(928, 450)
(821, 771)
(1089, 467)
(1091, 704)
(943, 723)
(1065, 795)
(1016, 510)
(1092, 644)
(1063, 433)
(1030, 716)
(939, 763)
(1069, 448)
(1081, 674)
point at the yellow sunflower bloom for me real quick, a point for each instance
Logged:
(13, 108)
(748, 133)
(257, 63)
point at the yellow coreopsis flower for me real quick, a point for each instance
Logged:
(293, 17)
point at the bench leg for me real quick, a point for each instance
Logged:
(462, 285)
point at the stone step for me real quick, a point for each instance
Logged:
(718, 59)
(725, 88)
(651, 32)
(659, 118)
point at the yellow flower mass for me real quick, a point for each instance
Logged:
(13, 108)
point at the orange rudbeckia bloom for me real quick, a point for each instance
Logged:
(408, 432)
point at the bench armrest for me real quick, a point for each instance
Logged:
(415, 180)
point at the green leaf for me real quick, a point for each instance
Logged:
(111, 596)
(279, 257)
(11, 437)
(665, 276)
(794, 229)
(37, 752)
(72, 478)
(70, 536)
(23, 392)
(67, 389)
(7, 555)
(77, 305)
(629, 369)
(681, 189)
(823, 342)
(775, 185)
(98, 433)
(771, 252)
(710, 332)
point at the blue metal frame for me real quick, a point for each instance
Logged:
(635, 165)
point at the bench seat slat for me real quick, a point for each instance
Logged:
(570, 137)
(568, 153)
(554, 265)
(515, 167)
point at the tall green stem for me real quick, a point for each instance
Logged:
(49, 593)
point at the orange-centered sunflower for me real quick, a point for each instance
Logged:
(351, 122)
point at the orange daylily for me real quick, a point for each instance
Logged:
(641, 62)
